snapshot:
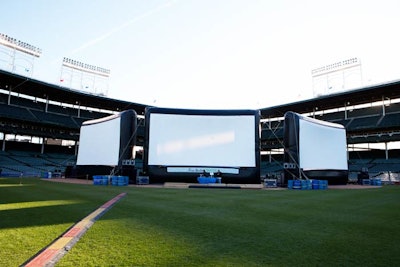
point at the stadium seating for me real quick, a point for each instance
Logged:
(364, 112)
(361, 123)
(55, 119)
(26, 163)
(390, 120)
(28, 103)
(16, 113)
(392, 108)
(332, 116)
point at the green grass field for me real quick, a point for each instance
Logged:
(202, 227)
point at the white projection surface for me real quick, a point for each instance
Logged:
(322, 145)
(99, 143)
(202, 140)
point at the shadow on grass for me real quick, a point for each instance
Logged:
(40, 216)
(36, 203)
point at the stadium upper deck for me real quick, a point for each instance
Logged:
(18, 116)
(366, 95)
(35, 88)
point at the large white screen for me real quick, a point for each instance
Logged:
(99, 143)
(202, 140)
(322, 146)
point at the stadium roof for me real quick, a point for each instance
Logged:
(32, 87)
(40, 89)
(364, 95)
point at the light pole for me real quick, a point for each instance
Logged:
(85, 72)
(338, 70)
(20, 51)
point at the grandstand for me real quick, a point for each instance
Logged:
(371, 116)
(40, 123)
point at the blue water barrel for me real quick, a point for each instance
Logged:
(114, 180)
(206, 180)
(315, 184)
(296, 184)
(122, 180)
(100, 180)
(290, 184)
(376, 181)
(323, 184)
(305, 184)
(201, 180)
(366, 181)
(96, 180)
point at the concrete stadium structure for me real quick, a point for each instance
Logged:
(40, 123)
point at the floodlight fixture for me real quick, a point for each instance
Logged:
(337, 66)
(19, 45)
(336, 76)
(75, 64)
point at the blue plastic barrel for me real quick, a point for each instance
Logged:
(304, 184)
(315, 184)
(296, 184)
(376, 181)
(290, 184)
(96, 179)
(366, 181)
(100, 180)
(122, 180)
(323, 184)
(206, 180)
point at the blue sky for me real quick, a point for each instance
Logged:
(208, 53)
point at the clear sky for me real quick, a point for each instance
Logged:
(208, 53)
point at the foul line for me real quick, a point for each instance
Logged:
(59, 247)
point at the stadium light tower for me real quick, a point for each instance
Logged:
(15, 50)
(332, 78)
(84, 76)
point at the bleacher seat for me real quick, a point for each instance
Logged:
(55, 119)
(334, 116)
(28, 163)
(392, 108)
(18, 113)
(363, 123)
(365, 112)
(390, 120)
(28, 103)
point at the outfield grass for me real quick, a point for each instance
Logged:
(203, 227)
